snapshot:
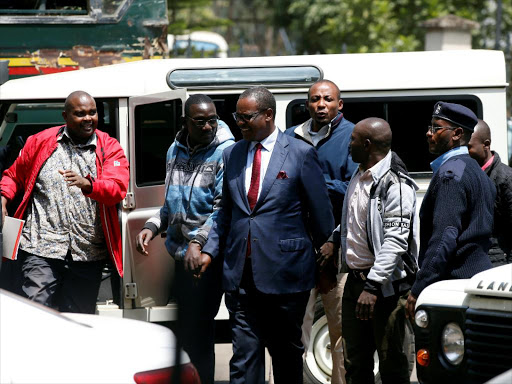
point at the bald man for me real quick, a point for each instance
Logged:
(379, 240)
(479, 148)
(71, 177)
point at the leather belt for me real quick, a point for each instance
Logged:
(359, 274)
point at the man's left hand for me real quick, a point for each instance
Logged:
(365, 305)
(325, 253)
(204, 262)
(410, 306)
(192, 257)
(75, 180)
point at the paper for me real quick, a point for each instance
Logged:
(11, 235)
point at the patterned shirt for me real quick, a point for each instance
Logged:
(60, 218)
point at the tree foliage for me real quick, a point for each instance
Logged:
(186, 16)
(333, 26)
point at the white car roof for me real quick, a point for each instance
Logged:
(352, 72)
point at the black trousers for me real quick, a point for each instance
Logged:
(10, 275)
(260, 320)
(383, 333)
(198, 304)
(65, 285)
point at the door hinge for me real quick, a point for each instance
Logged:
(130, 291)
(129, 201)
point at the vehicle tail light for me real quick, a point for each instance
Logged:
(423, 357)
(188, 375)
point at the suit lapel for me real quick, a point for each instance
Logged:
(240, 159)
(274, 166)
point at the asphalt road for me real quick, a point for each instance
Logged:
(223, 353)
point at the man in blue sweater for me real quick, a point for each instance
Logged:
(456, 215)
(329, 132)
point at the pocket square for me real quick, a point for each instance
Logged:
(281, 175)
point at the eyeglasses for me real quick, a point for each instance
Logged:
(199, 123)
(246, 118)
(433, 130)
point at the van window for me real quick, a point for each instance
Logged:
(156, 126)
(284, 76)
(225, 106)
(407, 116)
(25, 119)
(22, 120)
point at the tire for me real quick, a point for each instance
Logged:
(318, 363)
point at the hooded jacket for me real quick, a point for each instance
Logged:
(193, 191)
(108, 188)
(390, 220)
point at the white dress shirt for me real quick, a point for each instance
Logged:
(266, 152)
(358, 254)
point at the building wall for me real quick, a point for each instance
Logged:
(441, 40)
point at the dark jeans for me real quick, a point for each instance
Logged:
(385, 333)
(198, 304)
(65, 285)
(260, 320)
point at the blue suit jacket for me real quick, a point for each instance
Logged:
(292, 217)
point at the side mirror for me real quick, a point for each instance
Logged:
(11, 117)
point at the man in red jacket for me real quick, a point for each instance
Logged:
(71, 178)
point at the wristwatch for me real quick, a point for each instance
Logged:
(196, 242)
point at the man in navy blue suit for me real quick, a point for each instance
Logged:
(275, 214)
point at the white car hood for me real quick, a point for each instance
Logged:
(39, 345)
(496, 282)
(444, 293)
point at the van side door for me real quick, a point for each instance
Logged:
(154, 121)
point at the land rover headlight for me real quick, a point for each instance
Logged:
(421, 318)
(452, 343)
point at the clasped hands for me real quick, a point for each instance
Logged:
(327, 279)
(195, 261)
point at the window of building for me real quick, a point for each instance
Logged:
(61, 8)
(44, 7)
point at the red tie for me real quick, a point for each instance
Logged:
(252, 196)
